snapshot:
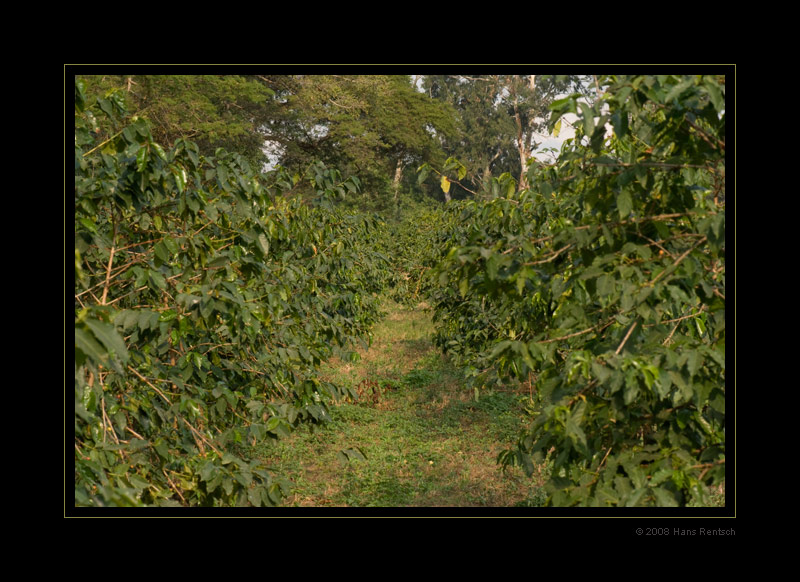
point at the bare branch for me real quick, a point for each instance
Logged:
(625, 339)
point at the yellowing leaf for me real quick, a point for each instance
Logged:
(445, 184)
(557, 128)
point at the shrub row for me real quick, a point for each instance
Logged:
(206, 297)
(603, 285)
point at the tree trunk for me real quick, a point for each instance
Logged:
(398, 175)
(524, 136)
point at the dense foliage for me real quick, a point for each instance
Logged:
(372, 126)
(212, 111)
(208, 292)
(206, 297)
(412, 241)
(603, 284)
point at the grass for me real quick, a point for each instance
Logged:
(416, 438)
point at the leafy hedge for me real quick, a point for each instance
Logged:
(206, 297)
(604, 285)
(413, 241)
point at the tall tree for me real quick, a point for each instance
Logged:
(500, 117)
(370, 125)
(527, 99)
(484, 138)
(211, 110)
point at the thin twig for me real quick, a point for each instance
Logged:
(625, 339)
(654, 218)
(198, 434)
(703, 135)
(553, 256)
(80, 453)
(699, 312)
(106, 418)
(103, 418)
(194, 430)
(142, 288)
(604, 459)
(138, 436)
(678, 261)
(668, 339)
(119, 133)
(110, 259)
(146, 381)
(646, 164)
(576, 334)
(706, 467)
(173, 486)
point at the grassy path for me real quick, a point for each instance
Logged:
(426, 441)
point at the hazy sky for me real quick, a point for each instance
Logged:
(549, 141)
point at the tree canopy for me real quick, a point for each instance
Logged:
(498, 118)
(372, 126)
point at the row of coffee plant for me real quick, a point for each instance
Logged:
(413, 242)
(206, 297)
(603, 285)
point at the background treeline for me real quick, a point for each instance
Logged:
(380, 128)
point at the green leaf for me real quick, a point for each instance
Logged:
(715, 93)
(157, 280)
(664, 498)
(127, 319)
(90, 226)
(651, 375)
(605, 285)
(601, 372)
(208, 471)
(526, 356)
(620, 122)
(631, 390)
(264, 243)
(588, 119)
(573, 429)
(167, 315)
(89, 346)
(347, 455)
(148, 320)
(463, 287)
(109, 337)
(161, 252)
(161, 448)
(180, 177)
(137, 444)
(422, 173)
(624, 204)
(159, 150)
(141, 159)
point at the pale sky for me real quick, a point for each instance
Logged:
(549, 141)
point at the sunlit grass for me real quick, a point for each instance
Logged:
(426, 441)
